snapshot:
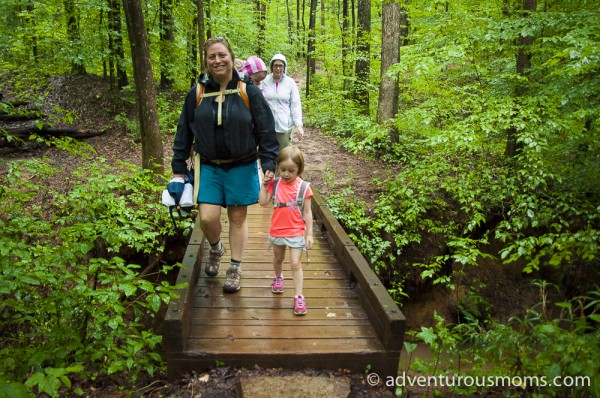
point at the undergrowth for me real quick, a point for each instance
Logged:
(72, 304)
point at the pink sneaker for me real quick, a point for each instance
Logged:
(277, 286)
(299, 305)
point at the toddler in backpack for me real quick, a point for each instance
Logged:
(291, 223)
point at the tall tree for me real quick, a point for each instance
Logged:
(299, 15)
(71, 13)
(152, 148)
(346, 44)
(201, 36)
(115, 45)
(390, 54)
(310, 61)
(323, 11)
(261, 22)
(167, 44)
(523, 64)
(207, 13)
(290, 23)
(363, 61)
(192, 49)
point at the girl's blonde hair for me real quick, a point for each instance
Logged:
(293, 153)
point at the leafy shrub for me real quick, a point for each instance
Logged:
(540, 354)
(70, 302)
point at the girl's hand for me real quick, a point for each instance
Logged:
(268, 177)
(309, 242)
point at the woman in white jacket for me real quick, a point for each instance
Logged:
(281, 93)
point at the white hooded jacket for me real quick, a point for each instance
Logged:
(283, 98)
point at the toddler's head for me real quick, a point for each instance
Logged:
(293, 154)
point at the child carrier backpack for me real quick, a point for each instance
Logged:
(299, 196)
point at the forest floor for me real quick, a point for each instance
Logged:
(329, 168)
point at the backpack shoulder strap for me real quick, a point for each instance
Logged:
(301, 195)
(243, 93)
(199, 92)
(274, 196)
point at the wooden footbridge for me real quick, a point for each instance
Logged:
(352, 322)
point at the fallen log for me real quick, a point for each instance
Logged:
(14, 103)
(16, 137)
(47, 130)
(21, 115)
(10, 150)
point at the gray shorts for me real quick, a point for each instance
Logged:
(294, 242)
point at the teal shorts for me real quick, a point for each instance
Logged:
(234, 186)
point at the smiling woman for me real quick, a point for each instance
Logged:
(219, 60)
(229, 138)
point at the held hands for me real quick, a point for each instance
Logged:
(267, 178)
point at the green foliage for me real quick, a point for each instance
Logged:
(131, 125)
(453, 182)
(539, 344)
(71, 303)
(168, 114)
(545, 355)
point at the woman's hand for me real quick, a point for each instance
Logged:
(268, 177)
(299, 130)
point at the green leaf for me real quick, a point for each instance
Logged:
(14, 390)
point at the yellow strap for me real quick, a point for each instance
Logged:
(220, 109)
(199, 94)
(196, 178)
(241, 90)
(226, 92)
(243, 93)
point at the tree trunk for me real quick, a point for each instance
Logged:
(192, 50)
(115, 44)
(387, 107)
(310, 62)
(323, 17)
(152, 148)
(523, 64)
(32, 37)
(298, 35)
(346, 66)
(261, 22)
(363, 61)
(201, 36)
(290, 24)
(167, 44)
(77, 66)
(207, 13)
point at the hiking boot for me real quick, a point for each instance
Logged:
(277, 286)
(233, 280)
(214, 261)
(299, 305)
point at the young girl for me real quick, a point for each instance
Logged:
(290, 222)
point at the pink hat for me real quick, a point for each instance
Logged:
(253, 65)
